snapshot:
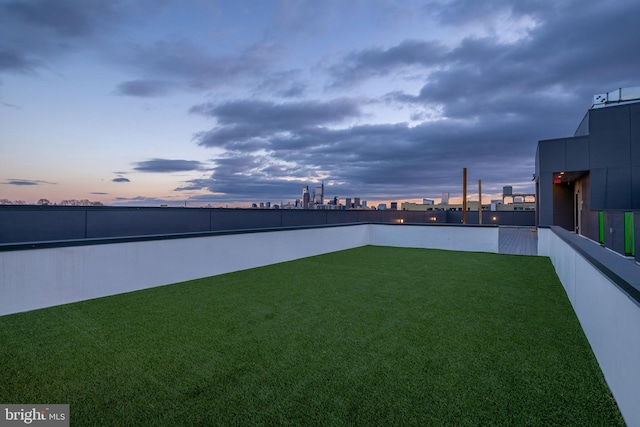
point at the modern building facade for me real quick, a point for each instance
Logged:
(589, 183)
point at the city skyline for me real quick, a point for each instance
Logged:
(231, 103)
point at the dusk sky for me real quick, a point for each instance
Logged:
(233, 102)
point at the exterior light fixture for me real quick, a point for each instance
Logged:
(494, 218)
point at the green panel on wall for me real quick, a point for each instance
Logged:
(601, 227)
(629, 241)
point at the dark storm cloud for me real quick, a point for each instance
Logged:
(144, 88)
(248, 124)
(121, 179)
(168, 166)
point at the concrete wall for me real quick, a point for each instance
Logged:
(609, 317)
(455, 238)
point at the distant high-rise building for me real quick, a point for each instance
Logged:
(347, 203)
(306, 197)
(319, 196)
(445, 199)
(356, 202)
(394, 206)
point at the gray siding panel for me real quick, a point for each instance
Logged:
(552, 156)
(577, 154)
(610, 138)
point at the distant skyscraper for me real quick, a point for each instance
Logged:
(445, 199)
(347, 203)
(356, 202)
(306, 197)
(394, 206)
(319, 196)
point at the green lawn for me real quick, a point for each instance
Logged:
(369, 336)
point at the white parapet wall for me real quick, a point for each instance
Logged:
(609, 318)
(50, 274)
(452, 237)
(38, 278)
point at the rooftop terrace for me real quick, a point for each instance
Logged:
(367, 336)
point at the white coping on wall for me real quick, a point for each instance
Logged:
(609, 317)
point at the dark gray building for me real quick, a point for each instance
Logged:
(590, 182)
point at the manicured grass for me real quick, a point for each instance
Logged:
(369, 336)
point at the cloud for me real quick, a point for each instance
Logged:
(144, 88)
(467, 84)
(13, 61)
(284, 84)
(483, 103)
(26, 182)
(359, 66)
(248, 124)
(34, 32)
(167, 166)
(66, 18)
(99, 193)
(361, 160)
(185, 65)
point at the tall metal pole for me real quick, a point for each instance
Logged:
(464, 195)
(479, 201)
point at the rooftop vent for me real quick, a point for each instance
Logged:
(616, 96)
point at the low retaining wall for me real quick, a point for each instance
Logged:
(41, 275)
(454, 238)
(599, 285)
